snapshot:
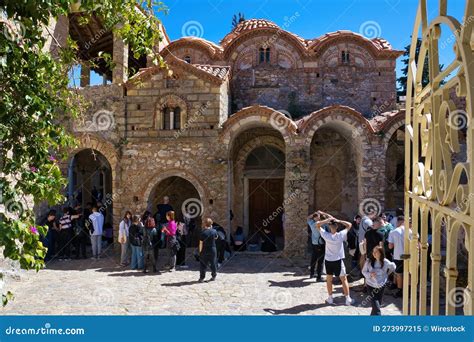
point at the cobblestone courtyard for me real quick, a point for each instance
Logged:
(246, 285)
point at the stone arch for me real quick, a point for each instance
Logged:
(342, 116)
(270, 35)
(196, 46)
(246, 149)
(110, 153)
(155, 180)
(257, 116)
(170, 100)
(105, 148)
(394, 152)
(355, 129)
(391, 126)
(319, 46)
(359, 55)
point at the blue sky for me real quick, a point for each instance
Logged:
(390, 19)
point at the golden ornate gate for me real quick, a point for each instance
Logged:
(439, 166)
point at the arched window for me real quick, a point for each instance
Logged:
(171, 118)
(261, 55)
(345, 57)
(187, 59)
(264, 55)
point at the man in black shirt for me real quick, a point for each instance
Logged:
(207, 250)
(374, 237)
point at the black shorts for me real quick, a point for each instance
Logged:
(335, 268)
(399, 268)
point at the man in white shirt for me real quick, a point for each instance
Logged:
(334, 255)
(397, 243)
(97, 220)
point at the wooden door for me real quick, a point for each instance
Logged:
(265, 205)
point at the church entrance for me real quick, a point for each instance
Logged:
(264, 182)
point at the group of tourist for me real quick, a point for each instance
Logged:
(371, 245)
(77, 227)
(377, 244)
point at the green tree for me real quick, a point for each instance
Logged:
(402, 80)
(35, 98)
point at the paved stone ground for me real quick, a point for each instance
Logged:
(246, 285)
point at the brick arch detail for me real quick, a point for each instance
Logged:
(257, 116)
(391, 128)
(339, 115)
(252, 144)
(153, 181)
(105, 148)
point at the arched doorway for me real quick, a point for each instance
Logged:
(395, 170)
(90, 181)
(333, 173)
(184, 198)
(264, 188)
(258, 173)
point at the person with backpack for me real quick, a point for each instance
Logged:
(66, 233)
(376, 270)
(385, 230)
(160, 218)
(171, 242)
(135, 234)
(374, 236)
(317, 247)
(49, 239)
(149, 242)
(182, 237)
(80, 232)
(207, 250)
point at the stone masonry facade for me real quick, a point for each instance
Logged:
(328, 104)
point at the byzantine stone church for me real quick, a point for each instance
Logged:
(256, 131)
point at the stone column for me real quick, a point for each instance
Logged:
(120, 59)
(85, 75)
(372, 180)
(296, 202)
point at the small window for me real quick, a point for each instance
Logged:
(267, 55)
(187, 59)
(166, 118)
(177, 118)
(171, 118)
(261, 55)
(345, 57)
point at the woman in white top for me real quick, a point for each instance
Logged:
(376, 270)
(123, 238)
